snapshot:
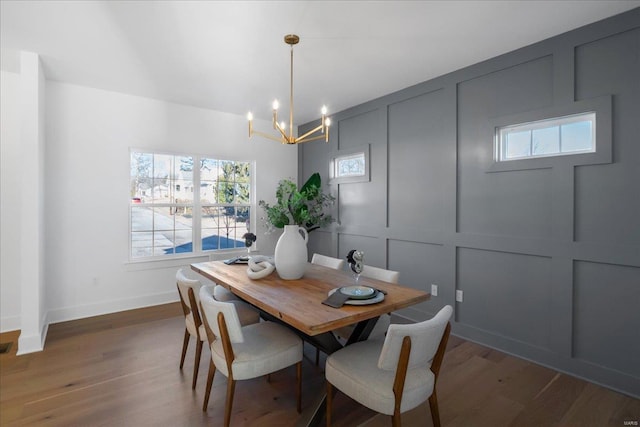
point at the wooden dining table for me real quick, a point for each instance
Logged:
(298, 304)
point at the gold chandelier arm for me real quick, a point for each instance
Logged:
(271, 137)
(282, 132)
(302, 141)
(311, 132)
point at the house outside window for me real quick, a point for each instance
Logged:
(167, 217)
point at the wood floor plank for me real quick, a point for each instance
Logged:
(552, 403)
(122, 370)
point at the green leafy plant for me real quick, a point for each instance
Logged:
(304, 207)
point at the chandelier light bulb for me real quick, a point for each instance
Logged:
(276, 104)
(327, 122)
(249, 116)
(324, 110)
(283, 125)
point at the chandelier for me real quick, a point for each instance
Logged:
(288, 138)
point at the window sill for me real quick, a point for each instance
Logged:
(180, 261)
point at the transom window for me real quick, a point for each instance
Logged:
(573, 134)
(179, 208)
(351, 165)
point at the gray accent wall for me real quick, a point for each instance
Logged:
(547, 254)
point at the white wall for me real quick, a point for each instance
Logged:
(89, 133)
(88, 136)
(10, 218)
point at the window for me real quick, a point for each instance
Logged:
(573, 134)
(168, 217)
(350, 165)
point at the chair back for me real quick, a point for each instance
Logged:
(327, 261)
(211, 308)
(380, 274)
(184, 284)
(425, 339)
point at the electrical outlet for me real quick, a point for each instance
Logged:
(434, 290)
(459, 296)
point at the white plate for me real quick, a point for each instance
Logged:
(358, 292)
(379, 297)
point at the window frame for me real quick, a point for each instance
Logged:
(196, 205)
(602, 154)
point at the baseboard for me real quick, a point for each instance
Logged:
(107, 307)
(32, 343)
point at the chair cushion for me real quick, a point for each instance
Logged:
(191, 327)
(220, 293)
(267, 347)
(354, 370)
(247, 314)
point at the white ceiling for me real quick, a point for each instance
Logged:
(230, 55)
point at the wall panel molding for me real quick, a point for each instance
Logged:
(541, 254)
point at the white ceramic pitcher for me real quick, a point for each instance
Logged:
(291, 253)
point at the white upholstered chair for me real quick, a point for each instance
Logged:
(220, 293)
(327, 261)
(380, 274)
(384, 321)
(331, 262)
(245, 352)
(393, 375)
(189, 291)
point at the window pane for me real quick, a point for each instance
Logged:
(208, 191)
(141, 175)
(243, 216)
(209, 217)
(183, 218)
(243, 172)
(546, 141)
(577, 137)
(183, 180)
(223, 227)
(141, 219)
(227, 224)
(227, 171)
(242, 193)
(210, 239)
(163, 242)
(518, 144)
(141, 244)
(353, 165)
(184, 241)
(225, 192)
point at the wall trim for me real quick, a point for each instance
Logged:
(35, 342)
(107, 307)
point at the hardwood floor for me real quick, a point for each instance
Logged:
(122, 369)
